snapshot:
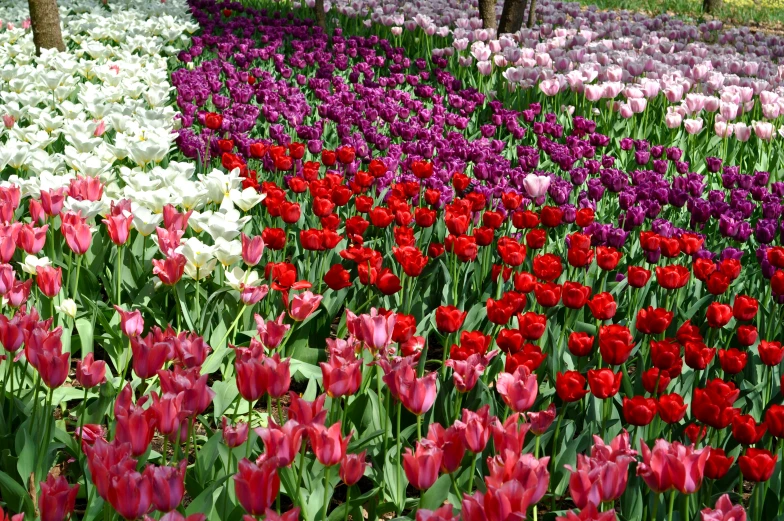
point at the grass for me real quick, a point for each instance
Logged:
(768, 14)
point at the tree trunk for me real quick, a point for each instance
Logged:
(45, 20)
(321, 15)
(532, 14)
(711, 6)
(512, 16)
(487, 12)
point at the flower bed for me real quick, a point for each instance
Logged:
(363, 287)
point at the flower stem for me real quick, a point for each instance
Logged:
(326, 493)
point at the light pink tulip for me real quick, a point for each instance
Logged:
(724, 511)
(303, 305)
(518, 389)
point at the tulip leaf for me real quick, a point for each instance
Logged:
(339, 513)
(25, 465)
(437, 494)
(225, 394)
(204, 502)
(186, 313)
(86, 330)
(14, 495)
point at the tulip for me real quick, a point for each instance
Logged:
(131, 322)
(536, 185)
(443, 513)
(671, 408)
(718, 464)
(352, 468)
(673, 465)
(604, 383)
(541, 421)
(90, 372)
(639, 410)
(130, 493)
(724, 511)
(234, 435)
(589, 513)
(168, 485)
(570, 386)
(282, 443)
(57, 498)
(422, 465)
(449, 319)
(303, 305)
(615, 343)
(49, 280)
(341, 377)
(519, 389)
(757, 464)
(328, 444)
(256, 486)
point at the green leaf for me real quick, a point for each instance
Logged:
(437, 494)
(85, 328)
(15, 495)
(204, 502)
(185, 311)
(225, 394)
(340, 513)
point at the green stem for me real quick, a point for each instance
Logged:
(399, 464)
(672, 503)
(655, 508)
(348, 503)
(326, 493)
(299, 473)
(473, 471)
(120, 251)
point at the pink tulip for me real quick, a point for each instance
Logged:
(422, 465)
(303, 305)
(417, 394)
(512, 465)
(536, 185)
(252, 249)
(90, 372)
(466, 373)
(475, 427)
(341, 377)
(376, 330)
(724, 511)
(518, 389)
(541, 421)
(131, 322)
(673, 465)
(508, 502)
(270, 332)
(692, 126)
(763, 130)
(282, 442)
(742, 131)
(589, 513)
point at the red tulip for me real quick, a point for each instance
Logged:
(256, 486)
(671, 408)
(531, 325)
(607, 257)
(698, 355)
(548, 294)
(168, 485)
(57, 498)
(718, 315)
(307, 413)
(170, 269)
(673, 276)
(449, 319)
(747, 335)
(49, 280)
(732, 360)
(637, 277)
(666, 354)
(746, 430)
(450, 441)
(574, 294)
(89, 372)
(771, 353)
(604, 383)
(669, 466)
(547, 267)
(602, 306)
(570, 386)
(281, 442)
(615, 343)
(757, 464)
(744, 307)
(712, 405)
(352, 468)
(718, 464)
(148, 355)
(579, 343)
(130, 493)
(541, 421)
(119, 228)
(422, 465)
(234, 435)
(341, 377)
(328, 444)
(774, 420)
(213, 121)
(653, 321)
(639, 410)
